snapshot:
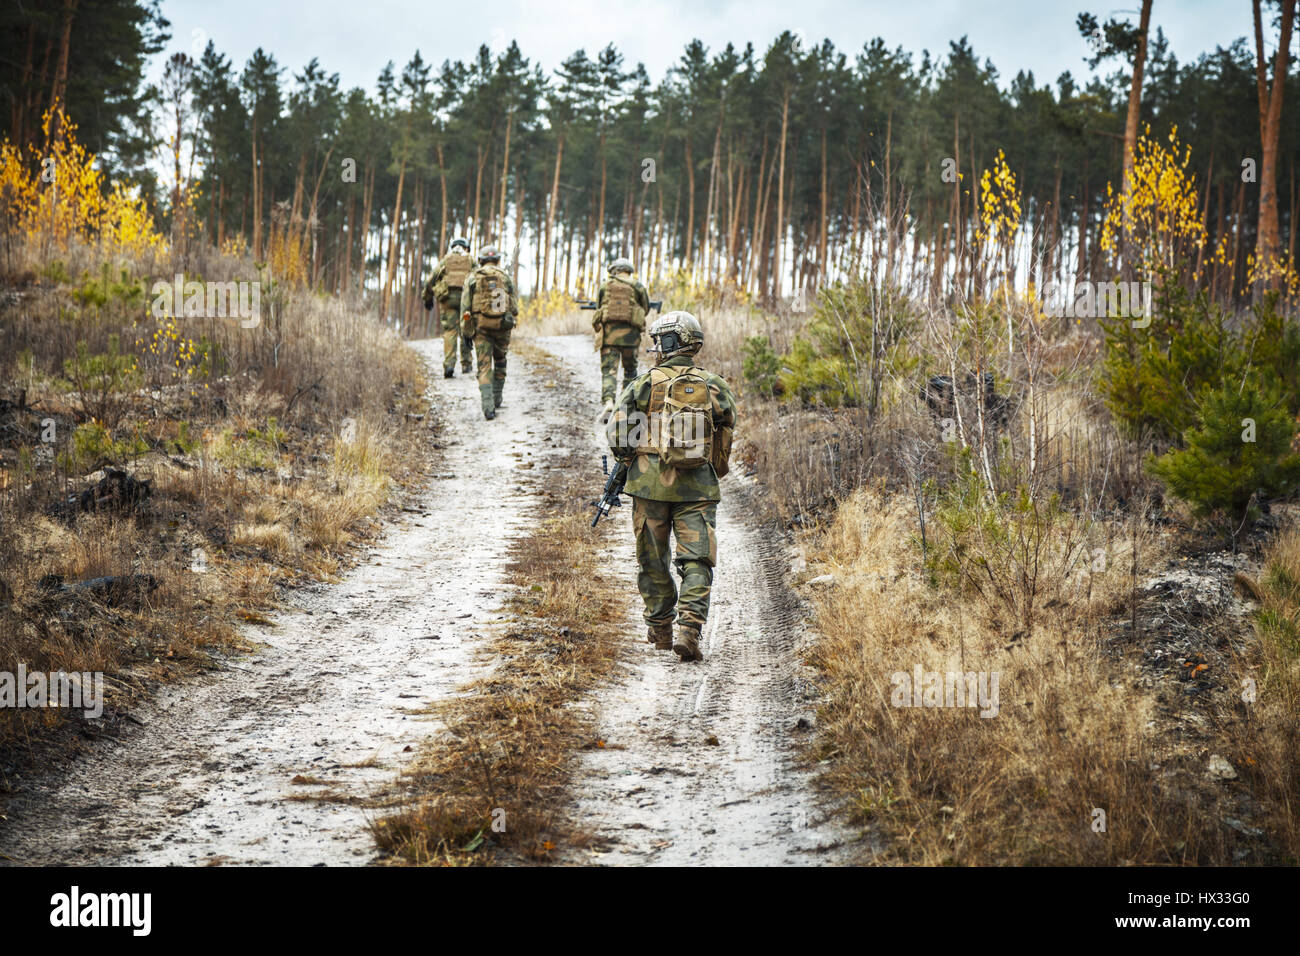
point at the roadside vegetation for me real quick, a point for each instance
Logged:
(163, 474)
(1081, 503)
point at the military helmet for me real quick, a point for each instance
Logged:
(675, 333)
(488, 254)
(621, 264)
(460, 241)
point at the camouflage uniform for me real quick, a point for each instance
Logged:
(618, 341)
(667, 499)
(491, 345)
(449, 314)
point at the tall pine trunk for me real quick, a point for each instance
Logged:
(780, 196)
(1268, 243)
(550, 210)
(386, 296)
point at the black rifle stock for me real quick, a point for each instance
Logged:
(613, 488)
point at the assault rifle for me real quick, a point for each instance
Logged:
(655, 305)
(613, 488)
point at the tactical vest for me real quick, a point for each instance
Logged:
(492, 299)
(458, 266)
(681, 419)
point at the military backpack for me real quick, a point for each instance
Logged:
(492, 299)
(681, 421)
(621, 305)
(453, 276)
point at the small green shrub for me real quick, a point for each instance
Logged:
(1240, 448)
(855, 338)
(762, 366)
(1152, 376)
(93, 444)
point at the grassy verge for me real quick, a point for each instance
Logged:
(1078, 762)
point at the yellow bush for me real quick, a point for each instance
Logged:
(58, 195)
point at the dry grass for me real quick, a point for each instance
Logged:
(265, 467)
(942, 785)
(506, 751)
(1268, 737)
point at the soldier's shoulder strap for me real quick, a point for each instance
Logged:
(661, 375)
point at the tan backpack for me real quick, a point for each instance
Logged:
(492, 299)
(453, 277)
(681, 418)
(621, 304)
(458, 266)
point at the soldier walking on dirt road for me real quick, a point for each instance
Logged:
(488, 312)
(672, 426)
(444, 287)
(622, 305)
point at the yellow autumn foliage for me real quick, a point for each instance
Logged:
(288, 256)
(1158, 215)
(999, 203)
(59, 195)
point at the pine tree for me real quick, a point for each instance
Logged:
(1238, 453)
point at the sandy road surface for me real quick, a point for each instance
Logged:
(331, 692)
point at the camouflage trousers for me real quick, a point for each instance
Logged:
(492, 346)
(694, 525)
(449, 313)
(609, 362)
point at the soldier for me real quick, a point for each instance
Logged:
(488, 312)
(444, 287)
(621, 307)
(672, 426)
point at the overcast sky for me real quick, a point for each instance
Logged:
(355, 38)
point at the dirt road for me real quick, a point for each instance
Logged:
(697, 767)
(268, 760)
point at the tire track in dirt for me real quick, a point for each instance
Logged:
(334, 691)
(661, 791)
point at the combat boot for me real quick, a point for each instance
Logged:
(449, 373)
(687, 644)
(660, 635)
(497, 389)
(489, 406)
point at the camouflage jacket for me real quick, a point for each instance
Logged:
(646, 478)
(621, 334)
(467, 294)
